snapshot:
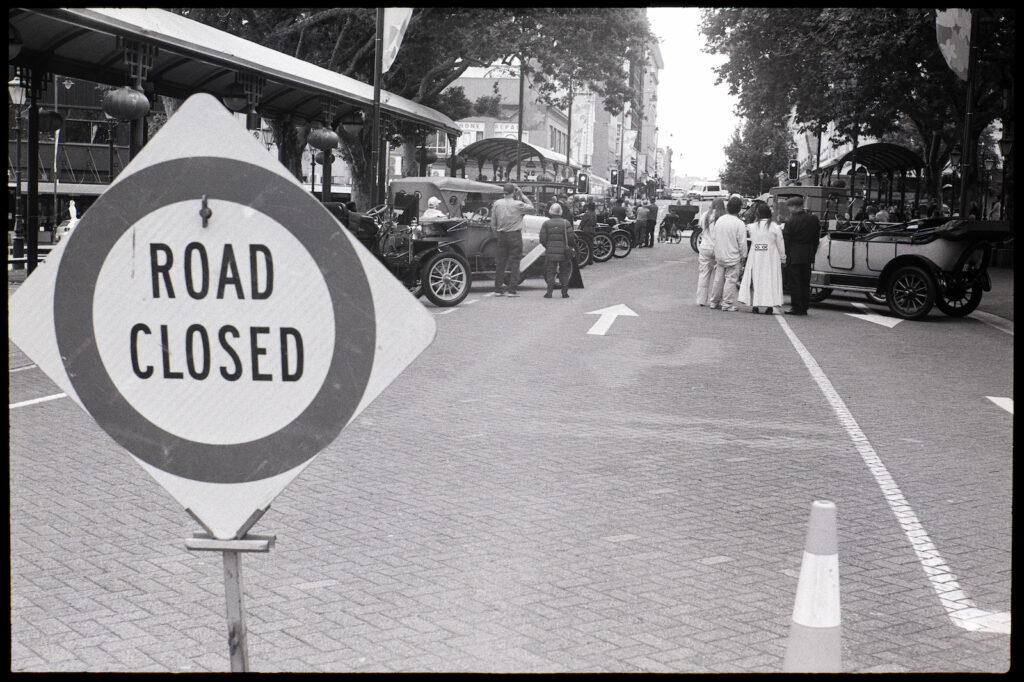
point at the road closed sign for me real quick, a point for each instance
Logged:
(215, 319)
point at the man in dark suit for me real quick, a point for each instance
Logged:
(801, 233)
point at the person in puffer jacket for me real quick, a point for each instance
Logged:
(556, 238)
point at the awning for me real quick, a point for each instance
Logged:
(193, 57)
(506, 151)
(882, 156)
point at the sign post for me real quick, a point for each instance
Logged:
(218, 324)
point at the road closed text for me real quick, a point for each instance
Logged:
(232, 352)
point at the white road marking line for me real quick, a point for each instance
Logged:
(991, 320)
(446, 311)
(1005, 403)
(471, 301)
(870, 316)
(25, 403)
(959, 607)
(21, 369)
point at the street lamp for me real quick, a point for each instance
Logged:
(1005, 147)
(17, 91)
(989, 164)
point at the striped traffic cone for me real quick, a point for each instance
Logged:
(814, 637)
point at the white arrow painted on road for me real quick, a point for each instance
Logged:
(608, 316)
(1005, 403)
(869, 316)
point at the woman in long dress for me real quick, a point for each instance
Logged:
(762, 278)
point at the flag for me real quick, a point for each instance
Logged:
(396, 20)
(953, 33)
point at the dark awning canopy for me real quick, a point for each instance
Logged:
(193, 57)
(506, 151)
(882, 157)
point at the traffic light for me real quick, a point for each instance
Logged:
(582, 183)
(615, 176)
(794, 169)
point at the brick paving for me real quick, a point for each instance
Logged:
(530, 498)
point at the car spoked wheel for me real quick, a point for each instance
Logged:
(911, 293)
(584, 252)
(604, 248)
(695, 239)
(623, 244)
(819, 294)
(956, 300)
(446, 279)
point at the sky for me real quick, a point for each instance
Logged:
(695, 116)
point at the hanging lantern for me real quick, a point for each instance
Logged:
(49, 121)
(253, 121)
(323, 138)
(125, 103)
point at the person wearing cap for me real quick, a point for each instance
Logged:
(567, 212)
(800, 233)
(556, 238)
(507, 219)
(433, 211)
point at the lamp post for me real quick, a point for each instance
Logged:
(954, 164)
(17, 91)
(1005, 147)
(989, 164)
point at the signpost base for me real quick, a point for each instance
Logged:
(232, 549)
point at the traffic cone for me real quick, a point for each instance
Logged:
(814, 637)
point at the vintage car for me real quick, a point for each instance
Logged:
(911, 266)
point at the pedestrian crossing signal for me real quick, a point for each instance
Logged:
(794, 169)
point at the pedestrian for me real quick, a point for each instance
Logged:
(762, 277)
(996, 211)
(706, 250)
(652, 221)
(567, 212)
(507, 219)
(882, 215)
(640, 225)
(556, 238)
(801, 234)
(588, 223)
(730, 250)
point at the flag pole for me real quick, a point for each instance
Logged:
(970, 154)
(378, 58)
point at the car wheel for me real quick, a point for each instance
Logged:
(910, 293)
(584, 252)
(695, 239)
(958, 301)
(819, 294)
(604, 248)
(446, 279)
(623, 244)
(875, 298)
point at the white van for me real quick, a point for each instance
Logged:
(707, 190)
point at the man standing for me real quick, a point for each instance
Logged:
(730, 250)
(507, 218)
(640, 225)
(619, 211)
(652, 221)
(801, 233)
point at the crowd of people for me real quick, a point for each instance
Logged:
(723, 251)
(737, 262)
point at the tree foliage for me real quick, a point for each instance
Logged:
(755, 153)
(440, 43)
(866, 70)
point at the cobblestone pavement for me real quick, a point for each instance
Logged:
(530, 498)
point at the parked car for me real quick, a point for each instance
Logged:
(912, 266)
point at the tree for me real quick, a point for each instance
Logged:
(754, 155)
(866, 70)
(440, 44)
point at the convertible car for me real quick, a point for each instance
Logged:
(911, 266)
